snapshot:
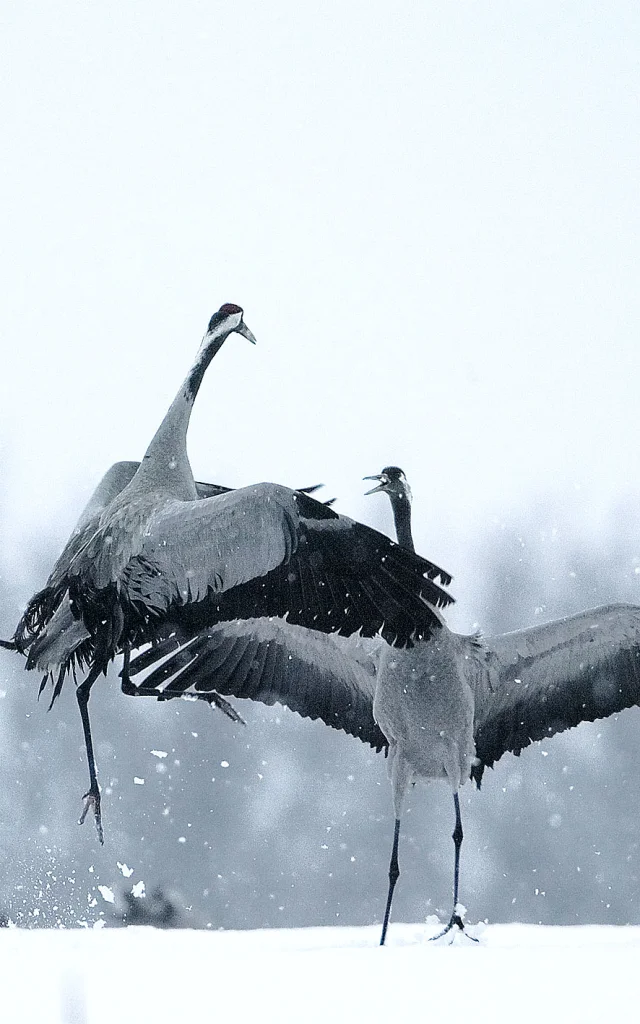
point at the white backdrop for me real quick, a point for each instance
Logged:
(429, 212)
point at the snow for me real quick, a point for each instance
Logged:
(516, 972)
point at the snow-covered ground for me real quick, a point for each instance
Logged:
(515, 973)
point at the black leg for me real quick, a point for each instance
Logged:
(126, 685)
(92, 798)
(457, 842)
(457, 837)
(394, 874)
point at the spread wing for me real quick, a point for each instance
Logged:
(57, 639)
(332, 678)
(267, 550)
(551, 677)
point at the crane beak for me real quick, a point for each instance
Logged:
(374, 490)
(245, 332)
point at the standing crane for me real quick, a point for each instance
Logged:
(162, 558)
(446, 707)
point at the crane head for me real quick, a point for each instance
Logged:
(228, 320)
(392, 481)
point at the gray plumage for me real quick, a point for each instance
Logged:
(522, 686)
(156, 556)
(64, 643)
(160, 557)
(77, 577)
(326, 677)
(548, 678)
(149, 549)
(59, 644)
(445, 708)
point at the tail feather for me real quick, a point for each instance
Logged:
(39, 611)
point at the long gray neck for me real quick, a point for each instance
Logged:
(166, 463)
(401, 505)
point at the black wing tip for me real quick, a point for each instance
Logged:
(9, 645)
(434, 571)
(435, 596)
(310, 490)
(429, 569)
(441, 599)
(430, 572)
(310, 508)
(477, 771)
(397, 636)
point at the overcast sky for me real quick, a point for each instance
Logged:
(429, 212)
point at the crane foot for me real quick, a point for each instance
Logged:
(92, 801)
(455, 922)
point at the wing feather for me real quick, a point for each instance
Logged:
(549, 678)
(42, 606)
(318, 676)
(266, 550)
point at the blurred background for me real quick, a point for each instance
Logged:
(430, 216)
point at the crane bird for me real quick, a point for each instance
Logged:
(68, 647)
(447, 708)
(162, 558)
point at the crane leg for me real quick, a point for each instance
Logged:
(92, 797)
(456, 919)
(394, 874)
(126, 685)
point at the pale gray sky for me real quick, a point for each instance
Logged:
(429, 212)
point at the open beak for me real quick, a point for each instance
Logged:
(245, 332)
(374, 490)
